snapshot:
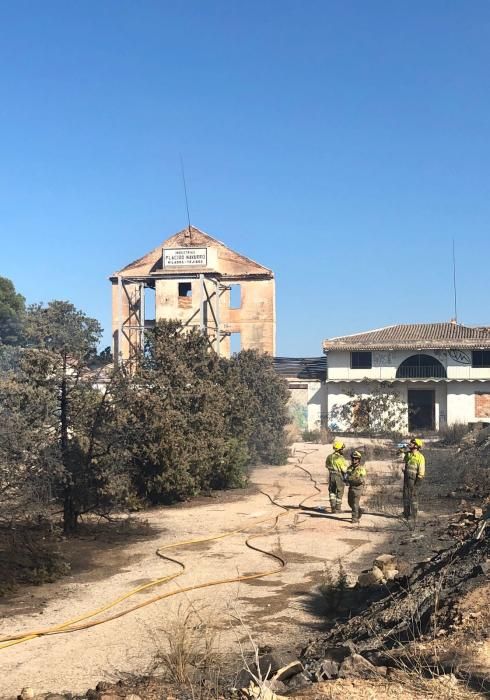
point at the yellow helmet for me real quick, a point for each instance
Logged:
(338, 445)
(355, 454)
(418, 442)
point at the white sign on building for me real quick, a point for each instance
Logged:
(185, 257)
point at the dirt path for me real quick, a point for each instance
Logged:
(275, 609)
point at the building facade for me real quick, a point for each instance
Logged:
(306, 381)
(198, 280)
(440, 372)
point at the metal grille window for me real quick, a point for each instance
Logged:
(361, 360)
(480, 358)
(420, 367)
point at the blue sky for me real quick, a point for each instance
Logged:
(343, 144)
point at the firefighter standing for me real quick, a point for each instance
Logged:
(356, 478)
(413, 474)
(337, 469)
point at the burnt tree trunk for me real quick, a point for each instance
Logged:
(70, 512)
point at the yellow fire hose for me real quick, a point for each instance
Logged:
(73, 626)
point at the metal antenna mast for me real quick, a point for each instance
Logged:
(185, 193)
(454, 285)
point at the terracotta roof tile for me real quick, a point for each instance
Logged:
(414, 335)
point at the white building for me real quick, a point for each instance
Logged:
(440, 371)
(306, 380)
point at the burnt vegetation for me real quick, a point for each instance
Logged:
(79, 436)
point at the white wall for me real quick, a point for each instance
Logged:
(340, 394)
(461, 401)
(307, 403)
(385, 364)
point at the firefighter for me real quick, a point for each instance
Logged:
(356, 478)
(413, 474)
(336, 464)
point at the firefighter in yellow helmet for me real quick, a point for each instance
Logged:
(413, 474)
(356, 478)
(337, 465)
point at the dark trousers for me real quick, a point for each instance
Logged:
(335, 491)
(410, 497)
(354, 499)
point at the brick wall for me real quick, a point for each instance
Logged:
(482, 405)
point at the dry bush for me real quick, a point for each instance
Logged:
(384, 500)
(311, 436)
(334, 587)
(29, 554)
(454, 433)
(292, 433)
(188, 650)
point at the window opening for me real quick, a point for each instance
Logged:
(235, 296)
(185, 289)
(235, 343)
(150, 305)
(361, 360)
(480, 358)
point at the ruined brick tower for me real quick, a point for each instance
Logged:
(198, 280)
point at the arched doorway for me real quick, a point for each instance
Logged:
(421, 402)
(420, 367)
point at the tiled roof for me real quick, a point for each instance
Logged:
(435, 336)
(301, 367)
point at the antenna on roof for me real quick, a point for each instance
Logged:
(189, 233)
(454, 285)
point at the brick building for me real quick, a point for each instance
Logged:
(195, 278)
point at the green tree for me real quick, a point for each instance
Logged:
(256, 409)
(12, 308)
(27, 467)
(88, 442)
(176, 418)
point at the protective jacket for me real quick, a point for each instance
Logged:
(336, 463)
(415, 465)
(356, 476)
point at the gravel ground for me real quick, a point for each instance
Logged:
(279, 610)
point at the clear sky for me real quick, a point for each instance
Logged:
(341, 143)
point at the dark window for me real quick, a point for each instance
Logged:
(361, 360)
(185, 289)
(480, 358)
(420, 367)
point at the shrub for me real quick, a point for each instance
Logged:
(334, 588)
(196, 420)
(453, 434)
(311, 436)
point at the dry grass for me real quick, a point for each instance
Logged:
(188, 651)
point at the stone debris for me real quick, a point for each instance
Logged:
(276, 686)
(356, 666)
(299, 682)
(27, 694)
(385, 562)
(327, 671)
(262, 692)
(288, 671)
(371, 578)
(279, 666)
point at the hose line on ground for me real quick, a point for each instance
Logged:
(74, 625)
